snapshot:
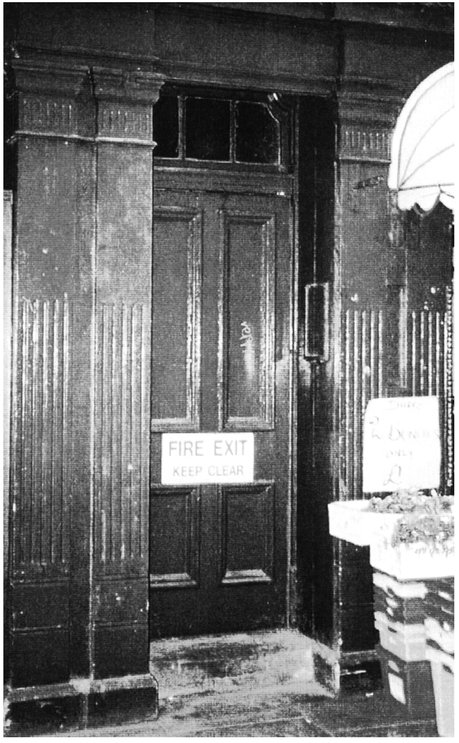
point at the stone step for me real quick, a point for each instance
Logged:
(227, 662)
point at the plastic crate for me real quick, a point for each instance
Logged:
(406, 641)
(442, 637)
(409, 683)
(440, 607)
(397, 608)
(443, 585)
(443, 685)
(403, 589)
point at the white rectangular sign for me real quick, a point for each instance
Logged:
(194, 458)
(401, 444)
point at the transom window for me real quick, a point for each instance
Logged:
(220, 129)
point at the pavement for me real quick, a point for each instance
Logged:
(248, 685)
(275, 712)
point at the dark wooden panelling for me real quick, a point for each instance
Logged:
(176, 319)
(248, 534)
(355, 573)
(124, 223)
(234, 181)
(235, 48)
(427, 350)
(39, 633)
(39, 656)
(247, 319)
(357, 627)
(52, 359)
(120, 650)
(362, 380)
(394, 333)
(116, 600)
(448, 410)
(429, 371)
(121, 433)
(40, 478)
(174, 538)
(365, 220)
(7, 286)
(122, 358)
(49, 261)
(40, 605)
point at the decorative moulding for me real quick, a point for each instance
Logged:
(364, 143)
(140, 86)
(49, 76)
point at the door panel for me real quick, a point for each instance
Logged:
(248, 534)
(247, 320)
(174, 533)
(176, 319)
(221, 329)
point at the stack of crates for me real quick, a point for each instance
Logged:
(399, 618)
(439, 626)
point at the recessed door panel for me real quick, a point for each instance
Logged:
(248, 534)
(176, 318)
(247, 305)
(222, 275)
(174, 538)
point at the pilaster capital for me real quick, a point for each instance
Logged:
(125, 99)
(365, 124)
(53, 96)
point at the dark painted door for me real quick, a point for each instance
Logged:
(219, 554)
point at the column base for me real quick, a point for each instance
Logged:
(79, 704)
(360, 671)
(347, 672)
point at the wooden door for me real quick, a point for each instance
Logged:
(219, 553)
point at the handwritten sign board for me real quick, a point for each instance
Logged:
(199, 458)
(401, 444)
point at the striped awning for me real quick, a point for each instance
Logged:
(422, 156)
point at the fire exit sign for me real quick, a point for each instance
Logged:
(200, 458)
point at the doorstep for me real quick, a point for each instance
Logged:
(281, 658)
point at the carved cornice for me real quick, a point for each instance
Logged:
(49, 76)
(139, 86)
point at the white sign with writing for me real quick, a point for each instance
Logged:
(194, 458)
(401, 444)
